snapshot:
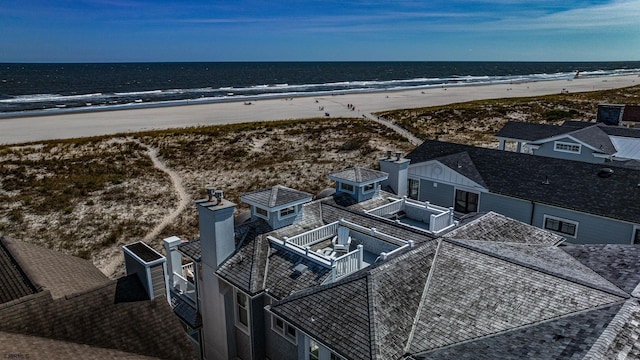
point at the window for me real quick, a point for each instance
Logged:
(466, 202)
(314, 350)
(346, 187)
(567, 147)
(368, 188)
(242, 310)
(283, 329)
(414, 189)
(563, 226)
(287, 211)
(636, 236)
(262, 213)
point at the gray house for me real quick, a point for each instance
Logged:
(391, 278)
(574, 140)
(586, 203)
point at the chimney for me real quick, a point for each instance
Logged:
(215, 219)
(398, 169)
(148, 265)
(174, 258)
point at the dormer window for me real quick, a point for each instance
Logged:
(567, 147)
(369, 187)
(262, 213)
(287, 211)
(346, 187)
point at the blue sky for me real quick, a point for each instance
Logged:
(328, 30)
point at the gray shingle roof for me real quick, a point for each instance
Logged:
(276, 196)
(573, 185)
(61, 274)
(568, 337)
(620, 338)
(616, 263)
(358, 175)
(377, 305)
(499, 228)
(594, 137)
(471, 295)
(530, 131)
(74, 303)
(13, 283)
(109, 317)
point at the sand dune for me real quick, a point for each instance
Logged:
(72, 125)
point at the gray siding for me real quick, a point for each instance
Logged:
(514, 208)
(257, 327)
(591, 229)
(157, 280)
(442, 195)
(277, 347)
(243, 345)
(586, 154)
(277, 223)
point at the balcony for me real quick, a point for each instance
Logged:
(183, 283)
(420, 215)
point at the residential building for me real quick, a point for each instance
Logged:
(56, 306)
(586, 203)
(575, 140)
(389, 277)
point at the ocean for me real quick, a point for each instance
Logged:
(52, 88)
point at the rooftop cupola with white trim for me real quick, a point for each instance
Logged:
(279, 205)
(361, 183)
(398, 169)
(215, 218)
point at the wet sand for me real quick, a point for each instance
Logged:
(73, 125)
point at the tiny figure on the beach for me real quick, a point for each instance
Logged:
(326, 114)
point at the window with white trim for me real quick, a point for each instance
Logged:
(314, 350)
(562, 226)
(262, 212)
(413, 189)
(242, 310)
(283, 329)
(287, 211)
(566, 147)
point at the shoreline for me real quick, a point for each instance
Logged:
(75, 124)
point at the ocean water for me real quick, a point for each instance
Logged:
(49, 88)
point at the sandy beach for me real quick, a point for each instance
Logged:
(73, 125)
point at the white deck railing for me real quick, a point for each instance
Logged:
(372, 232)
(440, 222)
(347, 264)
(314, 236)
(184, 286)
(384, 255)
(388, 209)
(187, 270)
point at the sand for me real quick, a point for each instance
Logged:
(73, 125)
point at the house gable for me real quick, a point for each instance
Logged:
(437, 171)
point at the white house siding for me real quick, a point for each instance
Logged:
(592, 229)
(514, 208)
(586, 154)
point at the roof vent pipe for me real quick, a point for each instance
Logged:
(398, 155)
(388, 154)
(219, 196)
(210, 193)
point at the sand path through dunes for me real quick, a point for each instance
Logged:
(114, 265)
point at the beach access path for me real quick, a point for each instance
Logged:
(72, 125)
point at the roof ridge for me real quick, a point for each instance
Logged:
(574, 280)
(373, 343)
(425, 290)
